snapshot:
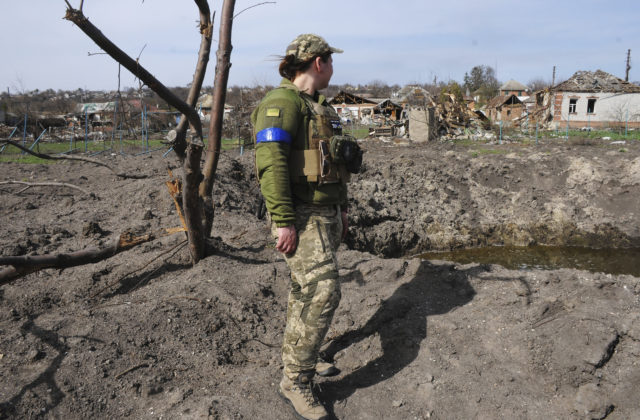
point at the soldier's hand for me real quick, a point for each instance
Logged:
(287, 239)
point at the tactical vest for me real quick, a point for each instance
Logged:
(314, 163)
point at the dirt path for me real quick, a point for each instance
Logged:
(413, 339)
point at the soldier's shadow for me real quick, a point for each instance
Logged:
(401, 323)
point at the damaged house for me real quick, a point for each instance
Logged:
(595, 100)
(352, 107)
(505, 108)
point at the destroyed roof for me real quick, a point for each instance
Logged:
(597, 81)
(499, 101)
(414, 94)
(350, 99)
(513, 85)
(387, 104)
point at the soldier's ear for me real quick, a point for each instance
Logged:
(317, 63)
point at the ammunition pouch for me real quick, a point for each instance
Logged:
(345, 150)
(317, 165)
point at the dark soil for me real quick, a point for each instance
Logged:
(146, 335)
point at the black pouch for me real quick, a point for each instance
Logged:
(345, 150)
(352, 154)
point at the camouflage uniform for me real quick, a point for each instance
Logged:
(315, 289)
(286, 124)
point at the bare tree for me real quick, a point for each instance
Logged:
(538, 83)
(620, 114)
(196, 196)
(197, 205)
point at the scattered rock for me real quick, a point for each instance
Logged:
(92, 228)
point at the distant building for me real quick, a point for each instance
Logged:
(505, 108)
(205, 102)
(352, 107)
(513, 87)
(414, 96)
(595, 100)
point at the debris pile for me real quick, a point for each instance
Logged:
(453, 117)
(540, 115)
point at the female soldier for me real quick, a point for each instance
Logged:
(302, 161)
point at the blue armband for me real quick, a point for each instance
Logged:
(273, 134)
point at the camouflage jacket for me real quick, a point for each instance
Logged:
(280, 125)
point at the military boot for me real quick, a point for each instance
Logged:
(324, 366)
(301, 396)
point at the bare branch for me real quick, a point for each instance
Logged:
(138, 58)
(134, 67)
(251, 7)
(80, 158)
(206, 29)
(45, 184)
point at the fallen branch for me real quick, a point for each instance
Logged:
(131, 369)
(79, 158)
(46, 184)
(26, 264)
(113, 283)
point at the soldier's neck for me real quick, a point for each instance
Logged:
(305, 83)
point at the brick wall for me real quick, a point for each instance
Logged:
(557, 107)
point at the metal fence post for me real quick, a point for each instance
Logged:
(86, 129)
(120, 130)
(500, 139)
(626, 126)
(37, 140)
(73, 134)
(24, 131)
(536, 134)
(113, 123)
(568, 119)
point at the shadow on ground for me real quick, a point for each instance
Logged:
(401, 323)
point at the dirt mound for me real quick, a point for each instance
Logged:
(145, 335)
(443, 197)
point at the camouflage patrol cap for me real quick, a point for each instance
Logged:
(307, 46)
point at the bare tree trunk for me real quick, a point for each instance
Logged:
(192, 203)
(223, 64)
(206, 29)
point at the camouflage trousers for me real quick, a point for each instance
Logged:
(315, 290)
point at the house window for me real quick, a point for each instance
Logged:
(572, 106)
(591, 106)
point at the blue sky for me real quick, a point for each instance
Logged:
(394, 42)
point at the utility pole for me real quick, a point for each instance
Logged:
(626, 76)
(553, 78)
